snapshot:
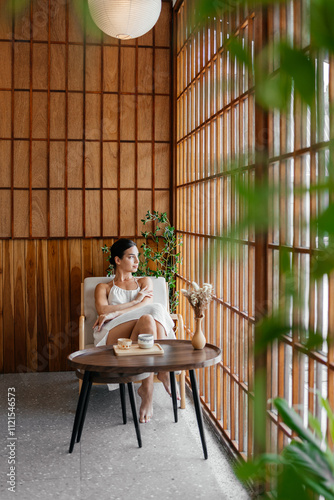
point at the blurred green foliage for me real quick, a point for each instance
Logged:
(305, 468)
(305, 465)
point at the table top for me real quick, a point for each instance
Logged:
(178, 355)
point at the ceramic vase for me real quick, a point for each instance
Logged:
(198, 341)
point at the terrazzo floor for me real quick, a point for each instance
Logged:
(107, 464)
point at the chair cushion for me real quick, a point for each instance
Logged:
(160, 296)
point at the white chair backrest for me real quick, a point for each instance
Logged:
(160, 296)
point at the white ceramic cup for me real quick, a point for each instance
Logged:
(145, 340)
(124, 343)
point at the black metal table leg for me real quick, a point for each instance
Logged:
(173, 391)
(198, 410)
(134, 412)
(84, 410)
(123, 402)
(80, 405)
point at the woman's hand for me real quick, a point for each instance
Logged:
(104, 318)
(143, 293)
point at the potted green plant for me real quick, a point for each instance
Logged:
(160, 254)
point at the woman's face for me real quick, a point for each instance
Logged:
(129, 262)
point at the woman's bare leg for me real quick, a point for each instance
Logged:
(145, 324)
(145, 391)
(121, 331)
(161, 332)
(163, 376)
(131, 329)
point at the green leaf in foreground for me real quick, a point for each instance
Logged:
(322, 22)
(297, 65)
(294, 421)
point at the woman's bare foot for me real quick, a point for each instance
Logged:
(145, 391)
(165, 379)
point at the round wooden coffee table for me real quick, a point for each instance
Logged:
(102, 362)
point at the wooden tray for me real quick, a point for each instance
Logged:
(135, 350)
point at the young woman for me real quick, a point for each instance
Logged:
(125, 309)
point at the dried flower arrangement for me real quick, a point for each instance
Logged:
(199, 298)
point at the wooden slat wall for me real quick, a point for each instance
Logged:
(212, 97)
(85, 151)
(218, 129)
(41, 299)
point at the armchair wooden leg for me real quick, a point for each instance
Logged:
(183, 389)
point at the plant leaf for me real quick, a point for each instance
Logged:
(271, 328)
(312, 467)
(289, 486)
(234, 45)
(322, 21)
(325, 404)
(273, 91)
(314, 341)
(325, 221)
(322, 263)
(315, 425)
(294, 422)
(298, 66)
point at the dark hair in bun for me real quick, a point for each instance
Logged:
(118, 249)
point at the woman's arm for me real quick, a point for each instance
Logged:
(107, 312)
(144, 296)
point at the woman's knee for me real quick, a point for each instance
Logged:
(147, 319)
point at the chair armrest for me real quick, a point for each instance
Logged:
(180, 325)
(81, 332)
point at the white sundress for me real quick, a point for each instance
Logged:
(118, 295)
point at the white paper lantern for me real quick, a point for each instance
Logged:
(125, 19)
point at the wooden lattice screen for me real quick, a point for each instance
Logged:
(216, 139)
